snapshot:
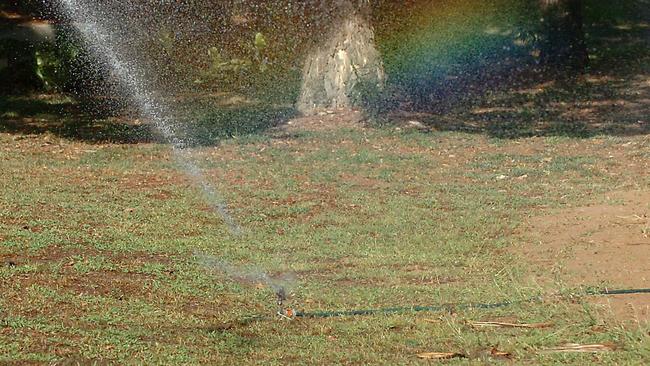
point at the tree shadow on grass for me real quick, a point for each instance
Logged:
(593, 105)
(208, 125)
(612, 98)
(63, 117)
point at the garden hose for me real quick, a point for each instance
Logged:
(450, 307)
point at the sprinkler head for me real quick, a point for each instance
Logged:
(281, 295)
(288, 313)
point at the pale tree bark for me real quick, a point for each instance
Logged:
(344, 59)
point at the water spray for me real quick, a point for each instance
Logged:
(101, 39)
(280, 284)
(109, 40)
(284, 313)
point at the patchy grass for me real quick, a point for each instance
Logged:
(97, 242)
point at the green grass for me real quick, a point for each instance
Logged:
(103, 236)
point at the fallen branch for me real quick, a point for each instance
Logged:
(581, 348)
(510, 325)
(440, 355)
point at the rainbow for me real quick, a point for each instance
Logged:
(432, 40)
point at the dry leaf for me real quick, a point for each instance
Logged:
(496, 353)
(434, 321)
(440, 355)
(510, 325)
(587, 348)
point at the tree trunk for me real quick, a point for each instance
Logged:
(333, 71)
(564, 39)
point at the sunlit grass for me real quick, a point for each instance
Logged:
(103, 237)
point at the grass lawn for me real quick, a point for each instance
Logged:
(538, 192)
(97, 243)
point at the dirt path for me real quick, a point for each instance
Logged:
(605, 244)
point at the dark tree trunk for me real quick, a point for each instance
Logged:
(563, 43)
(345, 58)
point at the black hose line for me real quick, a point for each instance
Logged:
(607, 291)
(401, 309)
(453, 307)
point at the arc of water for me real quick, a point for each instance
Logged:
(131, 77)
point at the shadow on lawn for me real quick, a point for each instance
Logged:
(591, 105)
(203, 125)
(60, 116)
(613, 97)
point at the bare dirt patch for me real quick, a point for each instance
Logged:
(324, 121)
(604, 244)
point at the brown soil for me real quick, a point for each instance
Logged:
(604, 244)
(127, 280)
(325, 120)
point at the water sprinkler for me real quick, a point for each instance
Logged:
(281, 297)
